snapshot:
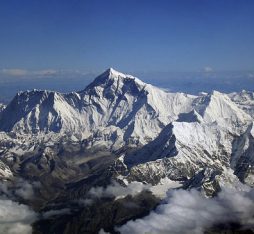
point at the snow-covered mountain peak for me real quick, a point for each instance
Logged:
(115, 79)
(112, 73)
(115, 100)
(111, 86)
(112, 100)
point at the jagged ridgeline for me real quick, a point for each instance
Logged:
(121, 129)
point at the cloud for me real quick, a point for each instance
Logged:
(134, 188)
(103, 232)
(24, 73)
(118, 191)
(50, 213)
(18, 188)
(15, 72)
(250, 75)
(17, 228)
(207, 69)
(25, 189)
(46, 72)
(15, 218)
(85, 202)
(190, 212)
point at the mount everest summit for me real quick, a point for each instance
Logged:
(123, 130)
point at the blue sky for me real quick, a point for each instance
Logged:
(129, 35)
(181, 45)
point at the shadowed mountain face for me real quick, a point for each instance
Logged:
(61, 154)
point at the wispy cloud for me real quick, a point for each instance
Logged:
(18, 72)
(51, 213)
(19, 188)
(46, 72)
(118, 191)
(250, 75)
(207, 69)
(24, 189)
(14, 72)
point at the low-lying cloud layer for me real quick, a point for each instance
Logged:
(18, 188)
(181, 211)
(15, 218)
(114, 190)
(118, 191)
(190, 212)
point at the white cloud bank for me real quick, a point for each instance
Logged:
(189, 212)
(15, 218)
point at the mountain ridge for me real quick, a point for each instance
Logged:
(117, 111)
(111, 99)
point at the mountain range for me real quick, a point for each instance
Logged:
(122, 130)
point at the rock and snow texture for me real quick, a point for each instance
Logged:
(176, 135)
(5, 171)
(244, 100)
(217, 107)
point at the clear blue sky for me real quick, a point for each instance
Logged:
(130, 35)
